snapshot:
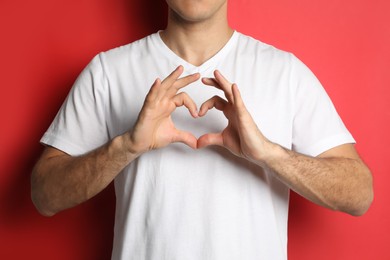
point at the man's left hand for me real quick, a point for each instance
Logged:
(242, 137)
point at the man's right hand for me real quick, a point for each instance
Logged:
(154, 127)
(61, 181)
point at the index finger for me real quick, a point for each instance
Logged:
(221, 83)
(168, 81)
(184, 81)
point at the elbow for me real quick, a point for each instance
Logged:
(44, 212)
(38, 197)
(363, 198)
(365, 203)
(362, 208)
(40, 206)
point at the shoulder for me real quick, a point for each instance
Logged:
(250, 46)
(268, 60)
(117, 61)
(136, 50)
(264, 57)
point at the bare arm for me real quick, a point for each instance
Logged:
(60, 181)
(337, 179)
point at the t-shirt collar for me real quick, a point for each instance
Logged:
(190, 68)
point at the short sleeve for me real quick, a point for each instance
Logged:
(317, 127)
(80, 124)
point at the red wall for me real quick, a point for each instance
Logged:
(45, 44)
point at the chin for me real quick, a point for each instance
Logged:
(195, 10)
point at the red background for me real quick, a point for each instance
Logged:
(45, 44)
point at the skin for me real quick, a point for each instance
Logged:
(196, 30)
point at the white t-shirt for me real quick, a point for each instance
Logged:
(179, 203)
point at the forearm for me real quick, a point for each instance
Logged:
(337, 179)
(337, 183)
(61, 181)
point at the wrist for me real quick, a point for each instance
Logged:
(124, 145)
(272, 153)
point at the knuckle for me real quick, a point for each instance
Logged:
(149, 101)
(183, 94)
(178, 84)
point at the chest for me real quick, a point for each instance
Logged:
(267, 99)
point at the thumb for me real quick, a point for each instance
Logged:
(186, 138)
(210, 139)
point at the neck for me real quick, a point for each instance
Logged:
(196, 42)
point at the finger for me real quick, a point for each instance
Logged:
(182, 99)
(183, 82)
(151, 95)
(243, 115)
(225, 85)
(216, 101)
(211, 82)
(168, 81)
(238, 102)
(210, 139)
(186, 138)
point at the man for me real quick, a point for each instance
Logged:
(274, 129)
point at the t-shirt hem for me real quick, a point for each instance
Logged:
(328, 143)
(61, 144)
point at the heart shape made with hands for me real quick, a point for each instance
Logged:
(158, 126)
(208, 127)
(195, 121)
